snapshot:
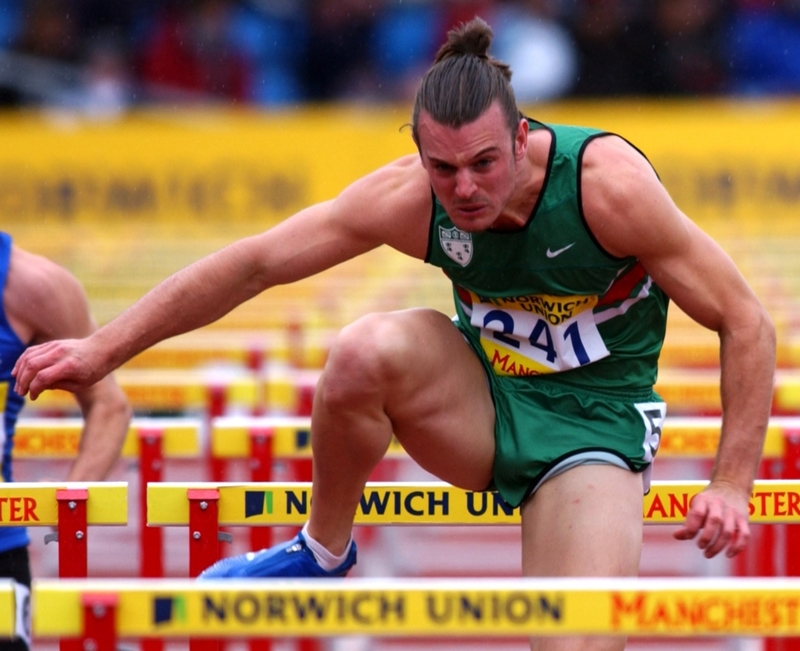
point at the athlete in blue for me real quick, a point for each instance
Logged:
(41, 302)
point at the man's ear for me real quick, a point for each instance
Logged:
(521, 140)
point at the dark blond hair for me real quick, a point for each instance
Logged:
(465, 80)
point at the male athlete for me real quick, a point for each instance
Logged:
(563, 249)
(41, 302)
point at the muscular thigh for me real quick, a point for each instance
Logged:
(584, 522)
(437, 396)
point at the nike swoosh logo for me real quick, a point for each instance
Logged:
(553, 254)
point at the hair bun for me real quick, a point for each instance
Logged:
(468, 39)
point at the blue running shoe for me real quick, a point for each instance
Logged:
(292, 559)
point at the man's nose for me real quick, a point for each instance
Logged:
(465, 185)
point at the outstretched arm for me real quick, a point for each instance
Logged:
(631, 214)
(193, 297)
(388, 206)
(44, 302)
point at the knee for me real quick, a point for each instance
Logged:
(365, 357)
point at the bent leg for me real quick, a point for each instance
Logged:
(586, 522)
(408, 373)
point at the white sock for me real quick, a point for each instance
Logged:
(326, 560)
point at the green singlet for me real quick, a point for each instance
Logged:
(569, 335)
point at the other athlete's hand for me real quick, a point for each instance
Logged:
(721, 515)
(62, 364)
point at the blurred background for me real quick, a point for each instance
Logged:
(136, 137)
(103, 58)
(187, 123)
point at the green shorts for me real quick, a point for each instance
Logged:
(545, 426)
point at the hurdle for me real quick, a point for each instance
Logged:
(71, 508)
(687, 392)
(295, 345)
(263, 439)
(204, 507)
(683, 437)
(151, 441)
(10, 615)
(168, 391)
(307, 347)
(98, 612)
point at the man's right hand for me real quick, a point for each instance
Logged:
(62, 364)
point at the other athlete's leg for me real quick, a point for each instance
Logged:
(410, 373)
(585, 522)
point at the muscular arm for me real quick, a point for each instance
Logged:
(390, 206)
(631, 214)
(44, 302)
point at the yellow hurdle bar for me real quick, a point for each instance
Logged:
(33, 504)
(464, 608)
(684, 390)
(163, 390)
(682, 437)
(291, 436)
(695, 347)
(58, 438)
(432, 503)
(8, 609)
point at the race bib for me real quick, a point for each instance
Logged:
(531, 335)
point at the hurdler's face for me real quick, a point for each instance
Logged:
(473, 168)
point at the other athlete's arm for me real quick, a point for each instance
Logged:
(631, 214)
(44, 302)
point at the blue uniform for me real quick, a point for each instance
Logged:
(11, 347)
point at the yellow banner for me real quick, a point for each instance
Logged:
(711, 175)
(37, 438)
(433, 503)
(35, 504)
(193, 167)
(245, 167)
(408, 608)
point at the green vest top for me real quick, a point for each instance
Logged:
(547, 298)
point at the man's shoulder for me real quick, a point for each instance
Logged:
(391, 205)
(401, 186)
(39, 291)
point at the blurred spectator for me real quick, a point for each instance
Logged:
(615, 50)
(542, 55)
(50, 30)
(462, 11)
(107, 83)
(103, 56)
(10, 25)
(272, 34)
(189, 53)
(11, 18)
(764, 47)
(688, 47)
(337, 62)
(406, 36)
